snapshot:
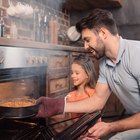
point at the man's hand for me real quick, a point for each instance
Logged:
(50, 106)
(99, 130)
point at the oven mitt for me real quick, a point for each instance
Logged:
(50, 106)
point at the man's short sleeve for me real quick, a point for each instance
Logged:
(102, 73)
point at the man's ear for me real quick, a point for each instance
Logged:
(103, 33)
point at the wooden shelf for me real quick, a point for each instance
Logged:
(32, 44)
(91, 4)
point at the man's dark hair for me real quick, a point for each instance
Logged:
(96, 19)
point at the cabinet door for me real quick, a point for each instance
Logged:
(57, 73)
(58, 83)
(58, 60)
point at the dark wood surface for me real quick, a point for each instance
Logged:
(91, 4)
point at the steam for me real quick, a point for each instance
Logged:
(16, 89)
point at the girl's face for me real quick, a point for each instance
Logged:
(78, 75)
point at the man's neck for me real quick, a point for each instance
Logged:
(113, 46)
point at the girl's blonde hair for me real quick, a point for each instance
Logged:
(87, 64)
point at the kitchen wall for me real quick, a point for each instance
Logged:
(26, 24)
(127, 18)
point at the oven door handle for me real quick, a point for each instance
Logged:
(79, 127)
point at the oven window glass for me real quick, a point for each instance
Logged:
(21, 88)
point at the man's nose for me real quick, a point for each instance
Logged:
(86, 46)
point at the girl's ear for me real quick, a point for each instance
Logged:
(87, 76)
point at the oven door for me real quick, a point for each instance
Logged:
(19, 89)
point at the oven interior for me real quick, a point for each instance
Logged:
(15, 83)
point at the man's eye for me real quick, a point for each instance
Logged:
(87, 40)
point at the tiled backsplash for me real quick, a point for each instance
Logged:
(26, 26)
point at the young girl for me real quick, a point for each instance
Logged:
(84, 78)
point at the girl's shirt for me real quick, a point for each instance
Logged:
(74, 96)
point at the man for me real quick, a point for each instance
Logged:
(119, 73)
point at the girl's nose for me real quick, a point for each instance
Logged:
(72, 75)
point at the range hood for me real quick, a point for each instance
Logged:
(91, 4)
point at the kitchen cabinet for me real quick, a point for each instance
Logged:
(58, 73)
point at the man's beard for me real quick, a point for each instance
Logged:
(100, 53)
(97, 54)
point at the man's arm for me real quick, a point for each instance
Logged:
(94, 103)
(52, 106)
(132, 122)
(102, 129)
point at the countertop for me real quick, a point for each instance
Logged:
(39, 45)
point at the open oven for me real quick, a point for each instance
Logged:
(19, 89)
(20, 84)
(22, 81)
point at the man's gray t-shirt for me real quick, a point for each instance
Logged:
(124, 77)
